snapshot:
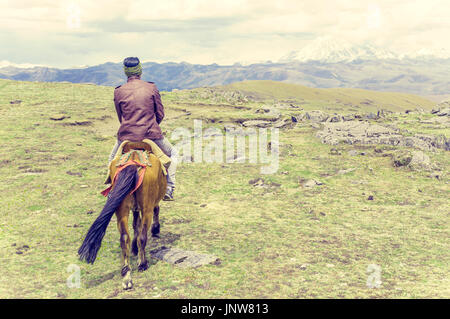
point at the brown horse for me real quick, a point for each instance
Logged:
(144, 203)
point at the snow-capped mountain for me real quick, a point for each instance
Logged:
(329, 50)
(5, 64)
(428, 53)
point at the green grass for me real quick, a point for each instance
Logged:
(343, 98)
(275, 242)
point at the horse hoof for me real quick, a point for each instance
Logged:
(143, 266)
(127, 285)
(155, 230)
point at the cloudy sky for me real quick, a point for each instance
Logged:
(84, 32)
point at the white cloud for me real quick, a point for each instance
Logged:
(75, 32)
(184, 9)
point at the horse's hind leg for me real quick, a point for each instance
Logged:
(136, 227)
(122, 224)
(147, 215)
(155, 226)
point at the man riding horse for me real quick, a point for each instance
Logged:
(140, 111)
(138, 176)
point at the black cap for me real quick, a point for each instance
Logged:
(130, 62)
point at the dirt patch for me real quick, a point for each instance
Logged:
(100, 280)
(5, 162)
(77, 123)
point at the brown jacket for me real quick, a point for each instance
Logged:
(139, 109)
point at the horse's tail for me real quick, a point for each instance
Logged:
(125, 183)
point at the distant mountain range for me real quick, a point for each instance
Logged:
(323, 64)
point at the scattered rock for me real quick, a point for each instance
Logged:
(303, 266)
(415, 160)
(378, 150)
(348, 117)
(335, 151)
(370, 197)
(256, 181)
(78, 123)
(419, 161)
(59, 117)
(383, 113)
(22, 249)
(311, 183)
(60, 295)
(345, 171)
(259, 182)
(73, 225)
(401, 158)
(444, 112)
(442, 109)
(357, 132)
(435, 175)
(316, 116)
(269, 111)
(73, 173)
(282, 123)
(371, 116)
(355, 153)
(439, 141)
(183, 258)
(334, 118)
(257, 123)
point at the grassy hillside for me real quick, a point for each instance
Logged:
(276, 239)
(346, 98)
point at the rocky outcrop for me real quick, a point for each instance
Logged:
(316, 116)
(414, 160)
(361, 132)
(442, 109)
(257, 123)
(419, 161)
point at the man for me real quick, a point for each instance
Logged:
(140, 111)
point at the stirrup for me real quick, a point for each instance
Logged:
(169, 194)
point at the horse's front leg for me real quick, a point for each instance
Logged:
(125, 241)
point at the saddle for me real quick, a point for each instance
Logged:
(142, 149)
